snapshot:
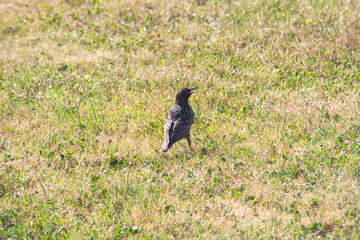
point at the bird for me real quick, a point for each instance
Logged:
(179, 120)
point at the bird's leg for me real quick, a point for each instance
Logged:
(189, 140)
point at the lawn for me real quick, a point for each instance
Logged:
(85, 87)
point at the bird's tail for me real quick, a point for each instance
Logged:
(164, 147)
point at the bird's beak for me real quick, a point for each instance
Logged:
(192, 90)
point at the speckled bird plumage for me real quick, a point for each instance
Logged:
(179, 120)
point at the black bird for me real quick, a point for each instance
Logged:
(179, 120)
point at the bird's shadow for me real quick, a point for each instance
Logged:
(178, 155)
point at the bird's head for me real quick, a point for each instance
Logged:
(183, 95)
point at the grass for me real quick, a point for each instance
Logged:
(85, 87)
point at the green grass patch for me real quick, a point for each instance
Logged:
(85, 87)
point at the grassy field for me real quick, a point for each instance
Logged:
(85, 87)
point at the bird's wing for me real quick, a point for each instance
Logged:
(171, 117)
(177, 124)
(169, 124)
(182, 124)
